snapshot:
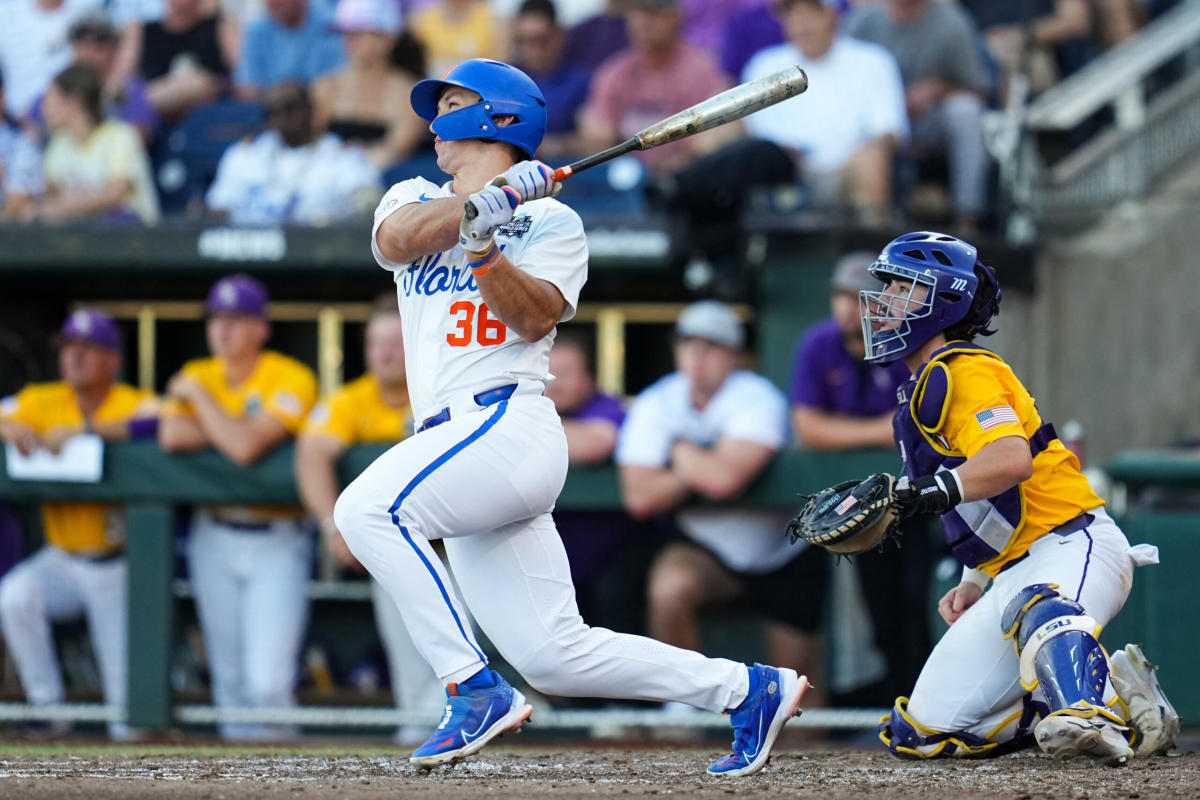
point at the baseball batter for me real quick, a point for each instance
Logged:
(480, 299)
(1016, 510)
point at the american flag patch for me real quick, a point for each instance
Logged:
(845, 505)
(992, 417)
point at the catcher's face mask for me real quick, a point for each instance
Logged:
(888, 316)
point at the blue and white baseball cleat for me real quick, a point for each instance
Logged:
(473, 717)
(759, 719)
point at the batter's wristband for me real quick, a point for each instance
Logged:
(490, 259)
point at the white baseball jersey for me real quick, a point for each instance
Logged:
(747, 407)
(452, 341)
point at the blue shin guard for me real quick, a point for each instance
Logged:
(1057, 645)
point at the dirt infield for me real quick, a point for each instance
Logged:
(594, 770)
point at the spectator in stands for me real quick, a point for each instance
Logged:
(184, 58)
(944, 84)
(456, 30)
(289, 174)
(1040, 40)
(94, 41)
(80, 571)
(594, 40)
(366, 103)
(658, 75)
(840, 402)
(608, 564)
(755, 27)
(372, 409)
(21, 181)
(705, 21)
(293, 41)
(709, 430)
(538, 42)
(94, 167)
(34, 48)
(845, 161)
(249, 565)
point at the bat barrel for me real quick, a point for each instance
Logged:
(730, 105)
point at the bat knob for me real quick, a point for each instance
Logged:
(470, 211)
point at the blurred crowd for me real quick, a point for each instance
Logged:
(656, 565)
(296, 111)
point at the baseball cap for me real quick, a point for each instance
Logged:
(368, 16)
(712, 320)
(91, 325)
(238, 294)
(850, 274)
(94, 25)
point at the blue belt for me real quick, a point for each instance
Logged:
(484, 399)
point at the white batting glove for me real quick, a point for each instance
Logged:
(494, 206)
(533, 180)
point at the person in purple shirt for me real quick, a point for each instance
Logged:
(840, 402)
(594, 40)
(608, 564)
(538, 42)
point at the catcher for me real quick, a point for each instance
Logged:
(1020, 662)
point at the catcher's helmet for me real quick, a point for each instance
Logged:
(506, 91)
(950, 285)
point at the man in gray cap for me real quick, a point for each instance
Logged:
(80, 572)
(839, 401)
(708, 430)
(249, 564)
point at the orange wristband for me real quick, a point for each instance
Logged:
(485, 264)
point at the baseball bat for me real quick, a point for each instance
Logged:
(729, 105)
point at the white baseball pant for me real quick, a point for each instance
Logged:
(486, 481)
(251, 590)
(51, 586)
(971, 681)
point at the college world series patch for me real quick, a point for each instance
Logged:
(516, 227)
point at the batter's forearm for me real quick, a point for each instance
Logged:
(525, 304)
(419, 229)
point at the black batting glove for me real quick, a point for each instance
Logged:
(928, 494)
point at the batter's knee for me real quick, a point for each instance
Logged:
(905, 737)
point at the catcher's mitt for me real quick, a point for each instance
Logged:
(850, 517)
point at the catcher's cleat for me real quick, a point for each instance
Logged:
(1151, 713)
(1064, 737)
(759, 719)
(474, 716)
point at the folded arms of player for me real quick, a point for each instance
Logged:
(242, 440)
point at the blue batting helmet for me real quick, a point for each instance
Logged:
(950, 287)
(506, 91)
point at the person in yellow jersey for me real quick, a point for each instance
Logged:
(372, 408)
(81, 570)
(1020, 663)
(249, 565)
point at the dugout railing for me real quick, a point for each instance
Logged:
(152, 484)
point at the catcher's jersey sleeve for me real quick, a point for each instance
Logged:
(356, 413)
(988, 403)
